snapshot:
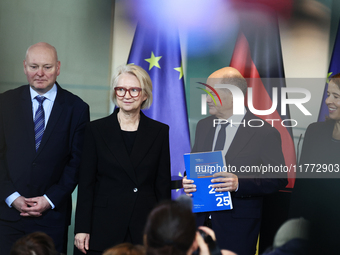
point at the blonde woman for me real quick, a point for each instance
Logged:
(125, 169)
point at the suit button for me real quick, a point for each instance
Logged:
(34, 164)
(135, 190)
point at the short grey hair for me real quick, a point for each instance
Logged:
(239, 82)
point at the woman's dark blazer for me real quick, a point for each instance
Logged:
(116, 191)
(316, 193)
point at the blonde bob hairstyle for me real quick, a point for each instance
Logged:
(143, 78)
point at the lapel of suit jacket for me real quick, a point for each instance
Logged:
(27, 115)
(241, 138)
(112, 136)
(209, 134)
(145, 138)
(56, 112)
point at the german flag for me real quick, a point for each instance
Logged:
(258, 56)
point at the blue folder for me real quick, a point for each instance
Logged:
(200, 167)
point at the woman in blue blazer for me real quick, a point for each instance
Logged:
(125, 169)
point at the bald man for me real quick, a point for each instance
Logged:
(243, 145)
(41, 135)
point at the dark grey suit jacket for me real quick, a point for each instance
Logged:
(238, 229)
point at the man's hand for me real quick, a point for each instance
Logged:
(188, 186)
(19, 203)
(81, 241)
(229, 182)
(35, 206)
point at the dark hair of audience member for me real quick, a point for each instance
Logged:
(125, 249)
(37, 243)
(170, 229)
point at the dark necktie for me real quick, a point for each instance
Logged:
(39, 121)
(219, 145)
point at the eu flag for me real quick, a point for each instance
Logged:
(334, 68)
(158, 52)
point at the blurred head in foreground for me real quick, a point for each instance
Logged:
(170, 229)
(125, 249)
(37, 243)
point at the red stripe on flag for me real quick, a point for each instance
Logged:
(242, 61)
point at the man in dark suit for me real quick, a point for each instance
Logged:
(244, 146)
(41, 135)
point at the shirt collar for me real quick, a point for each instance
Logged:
(50, 95)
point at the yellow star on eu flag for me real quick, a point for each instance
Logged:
(153, 61)
(329, 75)
(180, 70)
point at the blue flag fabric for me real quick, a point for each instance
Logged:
(159, 54)
(334, 68)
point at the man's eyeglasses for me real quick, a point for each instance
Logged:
(121, 91)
